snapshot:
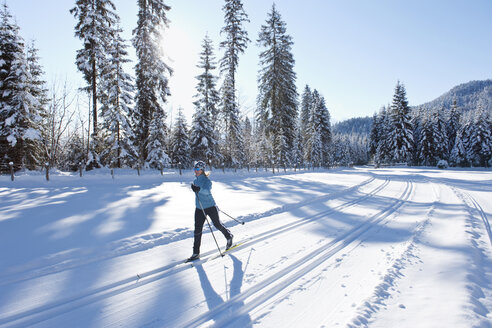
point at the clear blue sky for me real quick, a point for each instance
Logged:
(353, 51)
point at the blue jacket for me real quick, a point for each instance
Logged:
(205, 193)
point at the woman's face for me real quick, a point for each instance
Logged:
(198, 172)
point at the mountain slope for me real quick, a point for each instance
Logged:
(468, 96)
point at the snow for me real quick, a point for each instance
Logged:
(358, 247)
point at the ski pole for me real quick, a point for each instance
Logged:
(237, 220)
(201, 207)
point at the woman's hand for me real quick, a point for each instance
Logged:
(195, 188)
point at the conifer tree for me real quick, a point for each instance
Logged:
(453, 124)
(375, 134)
(151, 78)
(314, 146)
(480, 142)
(94, 27)
(248, 141)
(440, 136)
(427, 143)
(306, 103)
(204, 143)
(458, 156)
(277, 99)
(19, 117)
(39, 91)
(236, 40)
(157, 157)
(402, 131)
(383, 150)
(116, 103)
(180, 142)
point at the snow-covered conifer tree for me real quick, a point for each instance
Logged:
(157, 157)
(453, 124)
(151, 76)
(306, 103)
(314, 149)
(458, 156)
(204, 142)
(19, 108)
(383, 150)
(39, 91)
(319, 132)
(248, 141)
(236, 40)
(427, 143)
(116, 102)
(402, 131)
(375, 134)
(96, 19)
(277, 99)
(440, 135)
(180, 142)
(480, 142)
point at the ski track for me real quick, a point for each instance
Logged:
(258, 300)
(48, 311)
(65, 261)
(477, 276)
(226, 314)
(383, 290)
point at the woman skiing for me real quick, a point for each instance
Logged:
(205, 205)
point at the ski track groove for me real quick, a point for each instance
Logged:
(227, 313)
(373, 304)
(479, 286)
(141, 243)
(47, 311)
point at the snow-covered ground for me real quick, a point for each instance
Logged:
(392, 247)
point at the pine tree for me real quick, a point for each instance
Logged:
(402, 131)
(383, 150)
(19, 117)
(248, 141)
(481, 138)
(319, 132)
(458, 156)
(232, 147)
(375, 134)
(297, 152)
(204, 143)
(116, 103)
(440, 136)
(325, 127)
(314, 147)
(180, 142)
(236, 40)
(341, 151)
(94, 28)
(277, 99)
(453, 124)
(306, 103)
(151, 77)
(207, 95)
(461, 154)
(157, 157)
(39, 113)
(427, 143)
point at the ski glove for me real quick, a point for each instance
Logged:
(195, 188)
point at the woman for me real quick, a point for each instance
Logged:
(205, 204)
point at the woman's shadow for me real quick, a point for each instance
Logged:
(214, 300)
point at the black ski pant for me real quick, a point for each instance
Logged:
(200, 220)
